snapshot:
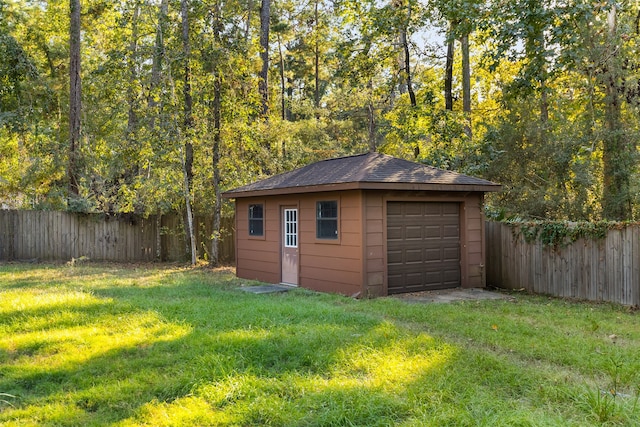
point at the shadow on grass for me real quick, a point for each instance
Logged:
(105, 358)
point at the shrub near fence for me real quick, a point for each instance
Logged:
(61, 236)
(590, 268)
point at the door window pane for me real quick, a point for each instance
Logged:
(291, 228)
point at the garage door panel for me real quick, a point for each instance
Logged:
(451, 276)
(433, 278)
(413, 256)
(413, 232)
(451, 209)
(450, 231)
(431, 209)
(423, 246)
(422, 267)
(431, 231)
(451, 254)
(412, 210)
(432, 255)
(394, 257)
(413, 279)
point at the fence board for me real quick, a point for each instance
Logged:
(60, 236)
(597, 270)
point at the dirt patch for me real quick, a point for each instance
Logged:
(452, 295)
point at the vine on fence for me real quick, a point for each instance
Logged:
(562, 233)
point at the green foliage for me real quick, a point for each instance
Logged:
(542, 116)
(561, 233)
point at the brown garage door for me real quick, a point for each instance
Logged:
(423, 246)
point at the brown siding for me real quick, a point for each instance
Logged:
(332, 266)
(375, 244)
(474, 223)
(329, 266)
(258, 258)
(471, 235)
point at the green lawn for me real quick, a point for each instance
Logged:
(147, 345)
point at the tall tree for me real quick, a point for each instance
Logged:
(448, 69)
(404, 46)
(188, 127)
(263, 84)
(158, 55)
(216, 122)
(616, 202)
(466, 82)
(132, 97)
(316, 58)
(75, 96)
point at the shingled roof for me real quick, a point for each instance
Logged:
(373, 171)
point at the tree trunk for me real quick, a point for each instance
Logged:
(316, 59)
(190, 227)
(404, 41)
(188, 127)
(132, 99)
(217, 212)
(247, 27)
(283, 95)
(407, 68)
(158, 52)
(544, 104)
(265, 16)
(372, 119)
(448, 71)
(75, 96)
(466, 83)
(616, 203)
(217, 128)
(289, 114)
(159, 236)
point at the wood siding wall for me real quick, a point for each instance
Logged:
(374, 212)
(61, 236)
(324, 265)
(474, 245)
(596, 270)
(258, 258)
(375, 237)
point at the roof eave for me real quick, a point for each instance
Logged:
(364, 186)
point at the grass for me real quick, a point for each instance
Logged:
(167, 346)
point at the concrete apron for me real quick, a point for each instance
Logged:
(451, 295)
(440, 296)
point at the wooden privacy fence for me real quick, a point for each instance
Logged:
(592, 269)
(60, 236)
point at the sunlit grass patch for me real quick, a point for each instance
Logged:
(185, 411)
(392, 358)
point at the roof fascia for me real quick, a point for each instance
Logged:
(364, 186)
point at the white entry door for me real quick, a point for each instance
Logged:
(290, 246)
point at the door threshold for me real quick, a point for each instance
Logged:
(291, 285)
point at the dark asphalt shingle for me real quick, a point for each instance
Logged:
(363, 168)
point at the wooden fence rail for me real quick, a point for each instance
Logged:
(597, 270)
(56, 236)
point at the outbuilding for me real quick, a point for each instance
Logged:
(366, 225)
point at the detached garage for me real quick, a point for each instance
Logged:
(366, 225)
